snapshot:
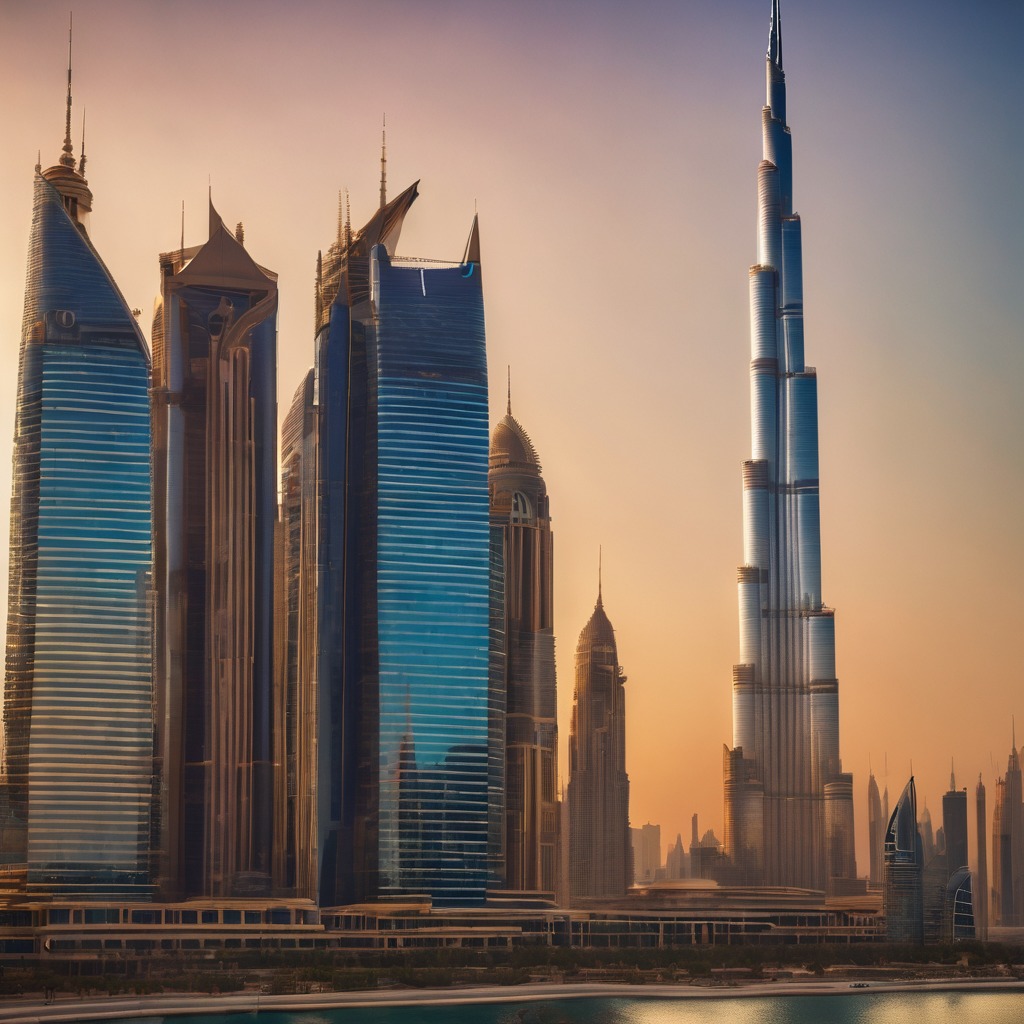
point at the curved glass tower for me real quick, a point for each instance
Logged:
(78, 693)
(789, 807)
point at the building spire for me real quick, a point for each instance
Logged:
(348, 223)
(508, 410)
(775, 36)
(67, 157)
(952, 777)
(384, 161)
(600, 602)
(81, 161)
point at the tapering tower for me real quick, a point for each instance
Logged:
(1008, 846)
(78, 693)
(789, 806)
(214, 410)
(519, 511)
(600, 849)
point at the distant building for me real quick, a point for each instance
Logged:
(958, 917)
(954, 826)
(600, 853)
(214, 420)
(876, 833)
(1008, 847)
(677, 862)
(520, 515)
(982, 897)
(646, 853)
(789, 806)
(903, 892)
(77, 709)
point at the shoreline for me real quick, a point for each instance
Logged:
(71, 1011)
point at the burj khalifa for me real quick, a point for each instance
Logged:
(788, 804)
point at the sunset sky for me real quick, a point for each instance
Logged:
(611, 151)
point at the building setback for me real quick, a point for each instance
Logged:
(78, 690)
(789, 805)
(600, 848)
(519, 512)
(215, 477)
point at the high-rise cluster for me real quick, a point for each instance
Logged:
(213, 693)
(788, 803)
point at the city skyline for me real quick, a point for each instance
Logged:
(895, 529)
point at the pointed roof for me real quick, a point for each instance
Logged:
(473, 244)
(775, 36)
(224, 259)
(63, 175)
(598, 629)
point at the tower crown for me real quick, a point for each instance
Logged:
(65, 178)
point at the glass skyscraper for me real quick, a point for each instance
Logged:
(789, 806)
(409, 708)
(78, 693)
(902, 894)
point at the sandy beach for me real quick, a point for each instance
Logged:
(72, 1009)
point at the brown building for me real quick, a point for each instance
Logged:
(519, 509)
(600, 851)
(214, 423)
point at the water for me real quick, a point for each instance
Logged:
(860, 1008)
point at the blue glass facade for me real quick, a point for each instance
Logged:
(78, 707)
(410, 710)
(433, 578)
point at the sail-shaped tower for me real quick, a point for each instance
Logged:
(789, 806)
(78, 693)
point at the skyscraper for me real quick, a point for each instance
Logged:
(876, 832)
(519, 510)
(903, 898)
(1008, 846)
(410, 714)
(215, 479)
(296, 734)
(78, 693)
(599, 841)
(954, 825)
(983, 897)
(789, 811)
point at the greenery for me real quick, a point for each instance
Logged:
(295, 971)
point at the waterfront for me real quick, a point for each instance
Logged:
(826, 1002)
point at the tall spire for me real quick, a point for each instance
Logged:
(341, 216)
(384, 162)
(600, 603)
(952, 777)
(348, 222)
(508, 410)
(81, 161)
(775, 36)
(67, 157)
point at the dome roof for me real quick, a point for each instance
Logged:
(511, 446)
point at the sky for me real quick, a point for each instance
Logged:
(611, 152)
